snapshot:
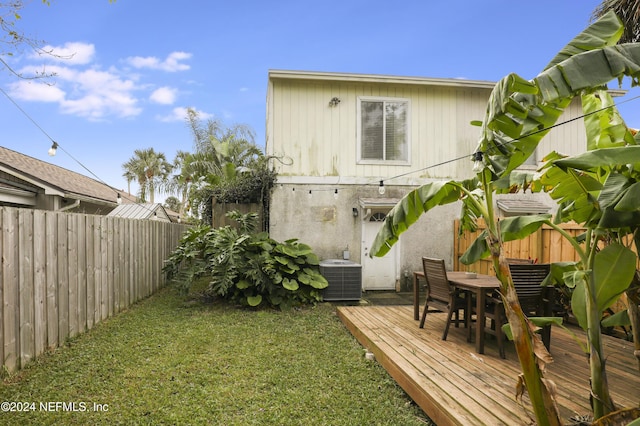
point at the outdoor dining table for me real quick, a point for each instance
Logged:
(480, 286)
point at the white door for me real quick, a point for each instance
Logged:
(378, 273)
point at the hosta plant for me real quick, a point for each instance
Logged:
(245, 267)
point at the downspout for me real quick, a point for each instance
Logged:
(75, 204)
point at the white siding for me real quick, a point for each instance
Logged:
(317, 144)
(321, 140)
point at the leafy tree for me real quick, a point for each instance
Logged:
(226, 166)
(151, 170)
(181, 182)
(519, 114)
(172, 203)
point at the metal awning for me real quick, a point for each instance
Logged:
(522, 207)
(369, 203)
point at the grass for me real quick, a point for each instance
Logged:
(169, 360)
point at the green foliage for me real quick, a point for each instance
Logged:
(245, 267)
(598, 189)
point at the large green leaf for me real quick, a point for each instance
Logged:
(603, 122)
(579, 303)
(290, 284)
(619, 319)
(614, 267)
(510, 134)
(590, 187)
(606, 31)
(630, 200)
(589, 70)
(410, 208)
(575, 192)
(615, 188)
(478, 249)
(511, 228)
(254, 300)
(613, 270)
(519, 227)
(605, 157)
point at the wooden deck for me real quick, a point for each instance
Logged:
(456, 386)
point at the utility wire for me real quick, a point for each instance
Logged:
(55, 144)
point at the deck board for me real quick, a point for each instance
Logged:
(455, 386)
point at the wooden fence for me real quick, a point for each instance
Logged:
(62, 273)
(546, 245)
(220, 210)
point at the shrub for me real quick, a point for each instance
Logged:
(246, 267)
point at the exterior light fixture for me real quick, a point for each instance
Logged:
(477, 161)
(335, 194)
(381, 189)
(334, 101)
(119, 199)
(354, 211)
(53, 149)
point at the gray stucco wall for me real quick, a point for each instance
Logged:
(326, 223)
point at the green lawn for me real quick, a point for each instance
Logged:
(169, 360)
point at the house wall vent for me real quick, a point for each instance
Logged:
(344, 277)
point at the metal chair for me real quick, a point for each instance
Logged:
(441, 295)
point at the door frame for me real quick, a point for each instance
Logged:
(369, 207)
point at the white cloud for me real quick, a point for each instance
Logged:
(89, 93)
(170, 64)
(35, 91)
(164, 95)
(83, 88)
(73, 53)
(180, 114)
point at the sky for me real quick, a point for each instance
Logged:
(125, 72)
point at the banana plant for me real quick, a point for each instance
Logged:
(519, 113)
(600, 190)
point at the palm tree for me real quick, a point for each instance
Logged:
(218, 145)
(130, 177)
(222, 155)
(181, 182)
(628, 11)
(150, 168)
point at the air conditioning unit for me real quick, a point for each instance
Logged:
(344, 277)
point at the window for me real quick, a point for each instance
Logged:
(383, 130)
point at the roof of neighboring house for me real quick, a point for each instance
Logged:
(141, 211)
(56, 180)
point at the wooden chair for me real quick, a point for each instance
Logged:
(441, 295)
(494, 311)
(516, 260)
(534, 300)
